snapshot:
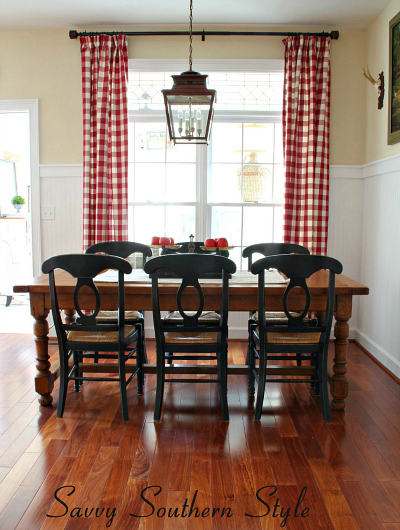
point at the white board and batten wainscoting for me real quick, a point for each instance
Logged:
(363, 234)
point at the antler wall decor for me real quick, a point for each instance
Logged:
(379, 85)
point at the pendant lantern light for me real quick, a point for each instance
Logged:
(189, 104)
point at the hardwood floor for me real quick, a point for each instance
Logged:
(293, 468)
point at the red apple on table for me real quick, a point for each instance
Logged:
(165, 241)
(222, 242)
(210, 243)
(155, 240)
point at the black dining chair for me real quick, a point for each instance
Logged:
(295, 338)
(269, 249)
(125, 249)
(193, 338)
(116, 340)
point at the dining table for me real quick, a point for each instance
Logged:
(243, 289)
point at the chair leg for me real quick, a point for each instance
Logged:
(139, 366)
(318, 370)
(63, 384)
(169, 358)
(324, 391)
(223, 379)
(76, 358)
(160, 383)
(252, 366)
(312, 363)
(143, 341)
(122, 383)
(262, 371)
(248, 344)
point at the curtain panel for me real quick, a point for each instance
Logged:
(105, 138)
(306, 110)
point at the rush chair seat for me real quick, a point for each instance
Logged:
(270, 249)
(296, 337)
(124, 249)
(79, 339)
(192, 338)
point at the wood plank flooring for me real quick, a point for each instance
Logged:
(91, 469)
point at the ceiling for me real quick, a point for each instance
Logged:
(115, 14)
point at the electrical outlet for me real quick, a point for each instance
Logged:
(47, 212)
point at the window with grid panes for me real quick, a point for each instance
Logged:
(232, 188)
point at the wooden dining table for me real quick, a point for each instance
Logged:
(242, 297)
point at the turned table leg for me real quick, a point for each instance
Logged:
(69, 316)
(44, 379)
(338, 382)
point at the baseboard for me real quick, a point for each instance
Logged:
(378, 354)
(375, 360)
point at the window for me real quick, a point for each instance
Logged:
(232, 188)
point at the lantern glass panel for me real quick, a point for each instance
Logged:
(188, 116)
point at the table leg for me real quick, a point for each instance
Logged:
(338, 382)
(44, 378)
(69, 316)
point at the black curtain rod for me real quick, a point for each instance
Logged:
(74, 34)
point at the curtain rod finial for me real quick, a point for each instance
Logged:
(73, 34)
(334, 35)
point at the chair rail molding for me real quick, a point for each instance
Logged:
(337, 171)
(60, 170)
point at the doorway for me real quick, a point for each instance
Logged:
(19, 187)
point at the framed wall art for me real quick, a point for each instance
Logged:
(394, 81)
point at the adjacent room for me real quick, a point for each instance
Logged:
(199, 224)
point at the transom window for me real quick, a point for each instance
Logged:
(232, 188)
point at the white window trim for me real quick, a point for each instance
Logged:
(206, 65)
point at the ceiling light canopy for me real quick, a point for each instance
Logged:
(189, 104)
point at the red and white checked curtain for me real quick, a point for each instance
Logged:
(306, 111)
(105, 138)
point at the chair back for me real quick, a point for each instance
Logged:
(84, 268)
(297, 268)
(184, 249)
(272, 249)
(190, 268)
(123, 249)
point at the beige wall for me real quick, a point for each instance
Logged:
(46, 65)
(378, 61)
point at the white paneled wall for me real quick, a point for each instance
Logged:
(378, 327)
(61, 187)
(364, 234)
(346, 199)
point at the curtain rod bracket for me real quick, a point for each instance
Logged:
(203, 36)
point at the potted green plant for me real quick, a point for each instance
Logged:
(18, 202)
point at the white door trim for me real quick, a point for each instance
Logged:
(31, 106)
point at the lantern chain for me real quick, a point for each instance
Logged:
(190, 37)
